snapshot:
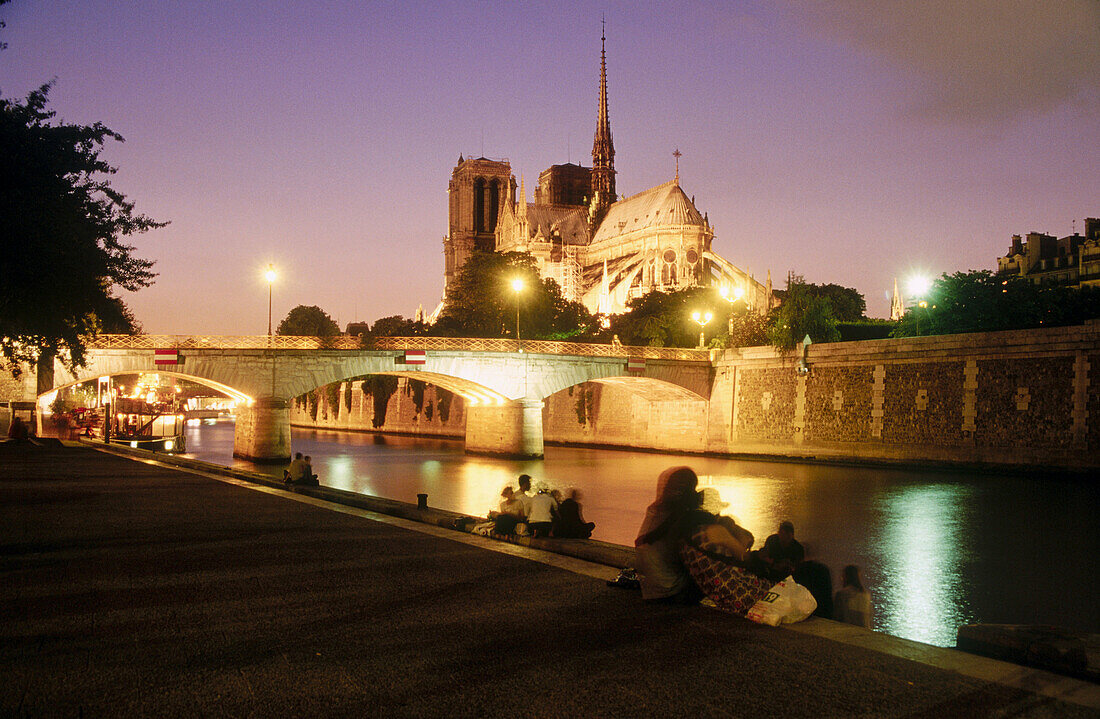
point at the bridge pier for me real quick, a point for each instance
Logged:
(262, 433)
(509, 430)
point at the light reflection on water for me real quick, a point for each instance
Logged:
(937, 549)
(921, 583)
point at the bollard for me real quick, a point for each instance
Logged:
(421, 501)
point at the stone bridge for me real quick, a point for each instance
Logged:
(503, 382)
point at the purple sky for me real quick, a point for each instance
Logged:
(847, 143)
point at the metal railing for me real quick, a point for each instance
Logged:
(439, 344)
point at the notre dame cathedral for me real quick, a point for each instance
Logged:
(600, 249)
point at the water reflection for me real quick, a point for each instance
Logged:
(920, 588)
(937, 549)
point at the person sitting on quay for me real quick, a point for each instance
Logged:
(295, 471)
(540, 517)
(18, 429)
(663, 575)
(569, 522)
(852, 603)
(523, 493)
(509, 514)
(781, 555)
(310, 479)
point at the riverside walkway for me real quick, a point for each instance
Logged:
(133, 589)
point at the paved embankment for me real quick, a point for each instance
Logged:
(128, 588)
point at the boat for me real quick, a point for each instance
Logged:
(156, 426)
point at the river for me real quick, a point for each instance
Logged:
(938, 549)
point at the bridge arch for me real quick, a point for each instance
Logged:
(472, 392)
(212, 384)
(651, 388)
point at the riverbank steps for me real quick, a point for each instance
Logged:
(134, 587)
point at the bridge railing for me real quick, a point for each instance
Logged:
(344, 342)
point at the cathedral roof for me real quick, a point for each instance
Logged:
(658, 206)
(571, 223)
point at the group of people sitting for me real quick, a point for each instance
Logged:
(546, 513)
(300, 472)
(686, 550)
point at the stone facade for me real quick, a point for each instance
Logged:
(765, 399)
(612, 415)
(838, 406)
(425, 411)
(923, 403)
(1023, 403)
(18, 389)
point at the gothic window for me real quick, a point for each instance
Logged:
(668, 268)
(494, 206)
(479, 205)
(692, 256)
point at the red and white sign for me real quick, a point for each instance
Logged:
(166, 357)
(635, 363)
(415, 357)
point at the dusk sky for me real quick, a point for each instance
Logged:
(849, 141)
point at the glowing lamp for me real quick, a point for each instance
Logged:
(918, 285)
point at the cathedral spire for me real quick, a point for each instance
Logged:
(603, 149)
(897, 306)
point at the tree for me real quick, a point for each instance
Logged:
(63, 256)
(847, 302)
(396, 326)
(482, 303)
(663, 319)
(802, 313)
(312, 321)
(747, 329)
(981, 301)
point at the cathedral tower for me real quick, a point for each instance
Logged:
(603, 149)
(477, 193)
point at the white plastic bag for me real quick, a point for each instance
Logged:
(786, 603)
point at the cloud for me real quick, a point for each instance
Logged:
(974, 60)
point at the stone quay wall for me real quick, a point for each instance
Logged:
(1022, 397)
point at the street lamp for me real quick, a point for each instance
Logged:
(270, 277)
(918, 286)
(517, 287)
(731, 296)
(702, 319)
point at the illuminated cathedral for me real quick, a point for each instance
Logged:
(601, 249)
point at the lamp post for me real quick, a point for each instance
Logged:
(270, 277)
(731, 296)
(702, 319)
(517, 287)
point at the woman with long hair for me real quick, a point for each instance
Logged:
(664, 577)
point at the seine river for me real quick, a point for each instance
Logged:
(938, 549)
